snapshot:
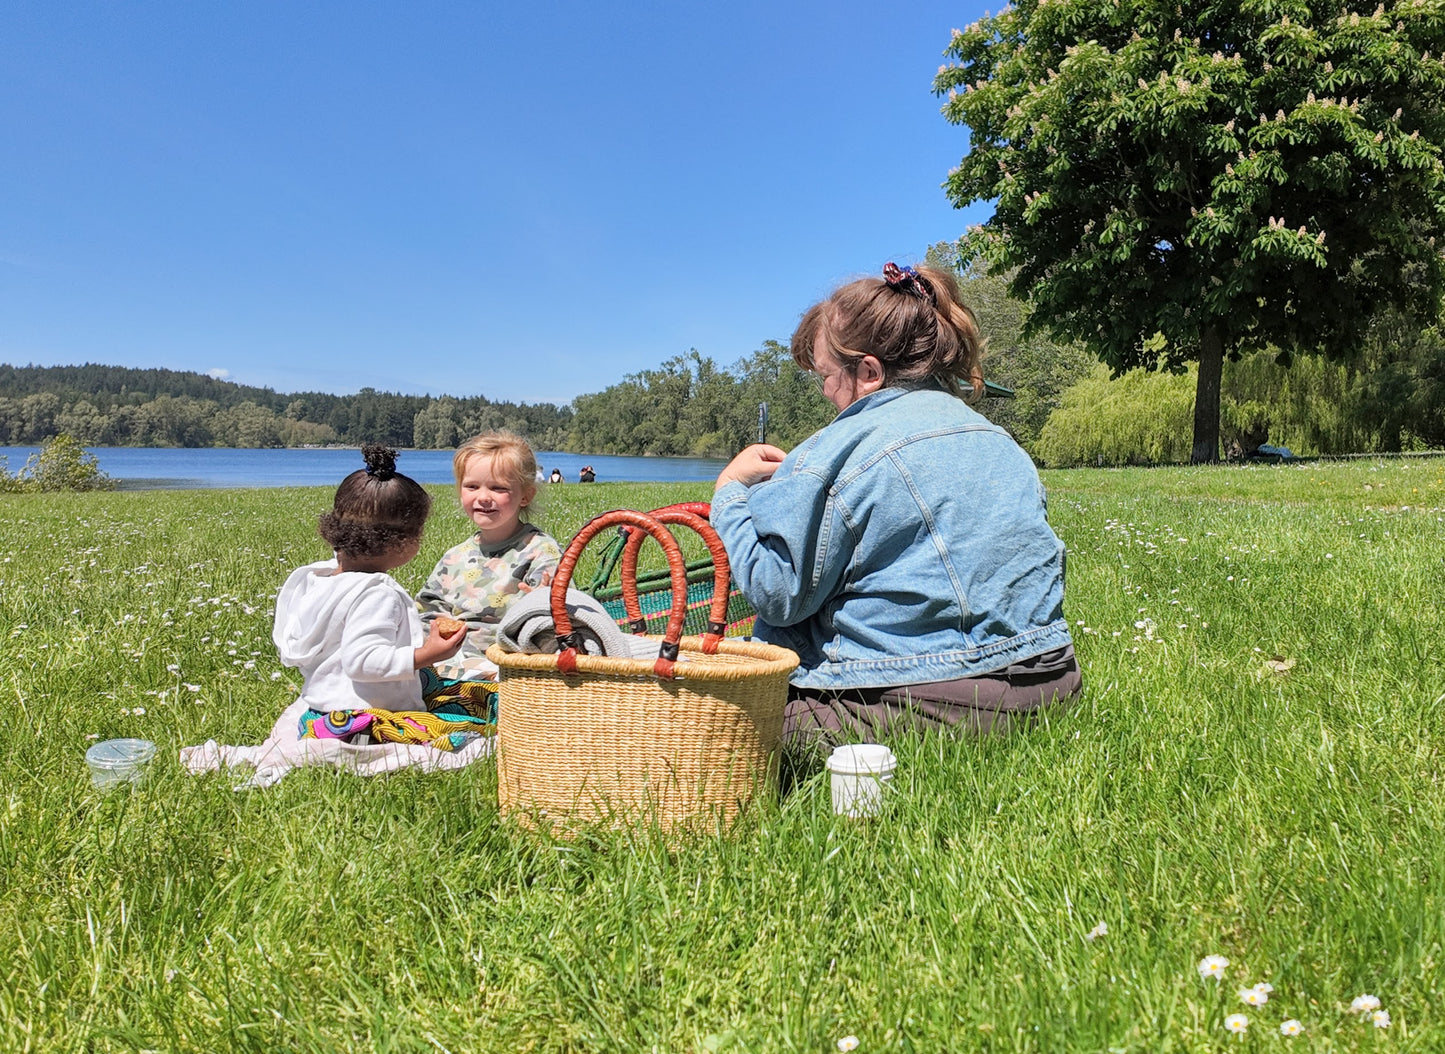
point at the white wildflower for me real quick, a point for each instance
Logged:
(1212, 966)
(1253, 997)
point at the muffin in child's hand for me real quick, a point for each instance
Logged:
(448, 626)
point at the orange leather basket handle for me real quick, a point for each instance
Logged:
(566, 639)
(692, 514)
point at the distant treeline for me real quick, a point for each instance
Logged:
(1389, 396)
(116, 406)
(688, 406)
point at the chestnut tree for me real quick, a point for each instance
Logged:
(1178, 181)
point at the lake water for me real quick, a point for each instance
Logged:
(154, 468)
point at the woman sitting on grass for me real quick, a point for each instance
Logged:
(902, 551)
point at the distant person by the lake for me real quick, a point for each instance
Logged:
(586, 475)
(902, 551)
(540, 477)
(556, 476)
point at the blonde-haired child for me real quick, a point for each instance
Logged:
(504, 559)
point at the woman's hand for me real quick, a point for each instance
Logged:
(753, 464)
(437, 647)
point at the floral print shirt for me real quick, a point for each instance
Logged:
(475, 583)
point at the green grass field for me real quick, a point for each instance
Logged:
(1255, 771)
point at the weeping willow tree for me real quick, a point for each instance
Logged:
(1390, 399)
(1139, 417)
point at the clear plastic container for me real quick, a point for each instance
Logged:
(118, 761)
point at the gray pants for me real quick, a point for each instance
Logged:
(988, 704)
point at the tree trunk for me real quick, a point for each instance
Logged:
(1206, 398)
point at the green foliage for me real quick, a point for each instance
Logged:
(1391, 399)
(1224, 178)
(1387, 401)
(1253, 771)
(689, 406)
(1388, 397)
(1311, 407)
(1141, 417)
(1036, 367)
(61, 464)
(113, 406)
(1402, 379)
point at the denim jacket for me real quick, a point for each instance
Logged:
(905, 543)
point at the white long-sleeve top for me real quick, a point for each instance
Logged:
(353, 636)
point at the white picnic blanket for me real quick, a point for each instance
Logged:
(283, 751)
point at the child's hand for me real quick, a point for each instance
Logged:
(439, 645)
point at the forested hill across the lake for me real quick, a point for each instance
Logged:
(119, 406)
(686, 407)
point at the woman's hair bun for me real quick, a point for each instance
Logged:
(380, 461)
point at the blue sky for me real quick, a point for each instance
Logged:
(526, 202)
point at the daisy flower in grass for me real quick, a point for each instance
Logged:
(1292, 1027)
(1236, 1023)
(1212, 966)
(1380, 1019)
(848, 1043)
(1253, 997)
(1363, 1004)
(1098, 931)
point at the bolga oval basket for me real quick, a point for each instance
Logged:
(685, 740)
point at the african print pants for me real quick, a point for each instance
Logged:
(457, 712)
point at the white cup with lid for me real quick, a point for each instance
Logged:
(860, 771)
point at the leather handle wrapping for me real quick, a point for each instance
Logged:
(667, 656)
(688, 514)
(697, 508)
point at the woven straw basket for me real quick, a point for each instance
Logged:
(686, 740)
